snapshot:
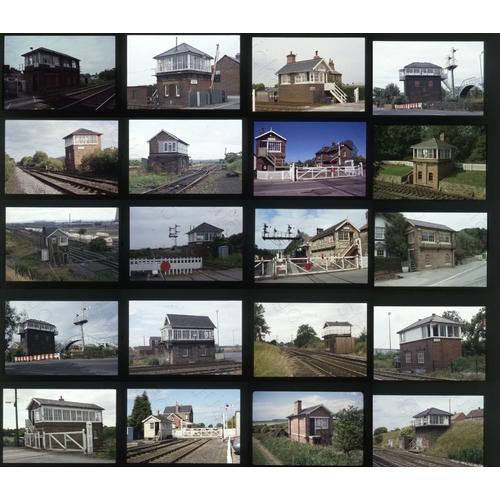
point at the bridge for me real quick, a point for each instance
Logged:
(106, 342)
(466, 86)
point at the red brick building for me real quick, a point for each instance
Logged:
(168, 153)
(79, 144)
(229, 68)
(336, 154)
(429, 344)
(179, 415)
(270, 151)
(200, 238)
(310, 425)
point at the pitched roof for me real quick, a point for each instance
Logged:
(337, 323)
(49, 51)
(332, 229)
(66, 404)
(422, 65)
(434, 318)
(308, 411)
(82, 131)
(271, 131)
(204, 226)
(299, 66)
(434, 143)
(182, 409)
(432, 411)
(187, 321)
(171, 135)
(182, 48)
(161, 418)
(479, 413)
(429, 225)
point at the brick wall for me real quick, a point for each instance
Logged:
(438, 352)
(230, 76)
(307, 93)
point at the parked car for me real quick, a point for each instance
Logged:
(235, 442)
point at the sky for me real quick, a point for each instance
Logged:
(269, 56)
(149, 226)
(146, 317)
(307, 221)
(208, 404)
(285, 318)
(26, 137)
(141, 49)
(96, 53)
(397, 411)
(390, 57)
(30, 214)
(303, 139)
(105, 398)
(207, 139)
(102, 317)
(455, 220)
(402, 317)
(278, 405)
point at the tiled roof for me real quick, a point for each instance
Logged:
(204, 226)
(429, 225)
(431, 411)
(188, 321)
(430, 319)
(66, 404)
(182, 48)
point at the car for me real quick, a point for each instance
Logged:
(236, 444)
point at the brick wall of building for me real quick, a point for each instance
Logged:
(187, 82)
(230, 76)
(438, 352)
(422, 89)
(307, 93)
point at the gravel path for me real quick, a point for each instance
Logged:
(22, 183)
(217, 183)
(213, 452)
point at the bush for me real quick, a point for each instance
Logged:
(470, 454)
(392, 264)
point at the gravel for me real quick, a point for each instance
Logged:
(23, 183)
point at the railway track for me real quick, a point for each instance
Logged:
(184, 183)
(383, 375)
(390, 191)
(383, 457)
(314, 364)
(69, 183)
(170, 451)
(99, 97)
(215, 368)
(79, 256)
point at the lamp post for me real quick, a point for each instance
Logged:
(389, 314)
(218, 345)
(17, 422)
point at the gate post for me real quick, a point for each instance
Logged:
(88, 442)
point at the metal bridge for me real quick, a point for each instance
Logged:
(466, 86)
(88, 340)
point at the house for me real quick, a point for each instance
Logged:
(422, 82)
(433, 160)
(229, 68)
(53, 246)
(141, 95)
(313, 81)
(179, 415)
(380, 246)
(37, 337)
(429, 344)
(154, 348)
(340, 240)
(200, 238)
(279, 433)
(48, 69)
(188, 339)
(430, 245)
(476, 415)
(167, 153)
(270, 151)
(336, 154)
(48, 416)
(79, 144)
(429, 425)
(157, 427)
(338, 338)
(310, 425)
(458, 417)
(184, 78)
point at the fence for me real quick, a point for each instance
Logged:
(37, 357)
(170, 266)
(46, 440)
(471, 167)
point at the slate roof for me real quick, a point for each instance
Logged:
(332, 229)
(49, 51)
(337, 323)
(271, 131)
(161, 417)
(182, 48)
(300, 66)
(430, 319)
(308, 411)
(429, 225)
(182, 409)
(188, 321)
(65, 404)
(479, 413)
(422, 65)
(332, 149)
(434, 143)
(432, 411)
(82, 131)
(204, 226)
(171, 135)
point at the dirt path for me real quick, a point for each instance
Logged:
(271, 460)
(217, 183)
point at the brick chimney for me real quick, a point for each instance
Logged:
(330, 63)
(316, 55)
(441, 136)
(176, 407)
(297, 407)
(290, 58)
(319, 230)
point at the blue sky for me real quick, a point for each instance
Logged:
(275, 404)
(208, 404)
(303, 139)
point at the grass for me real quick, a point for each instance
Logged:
(141, 180)
(301, 454)
(467, 178)
(233, 261)
(258, 458)
(398, 170)
(269, 361)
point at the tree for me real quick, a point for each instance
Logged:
(390, 92)
(260, 327)
(395, 235)
(258, 87)
(305, 335)
(12, 318)
(378, 434)
(39, 159)
(348, 429)
(140, 411)
(104, 162)
(98, 245)
(466, 245)
(107, 74)
(474, 334)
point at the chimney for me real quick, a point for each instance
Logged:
(319, 230)
(61, 398)
(441, 136)
(237, 56)
(290, 58)
(297, 407)
(261, 131)
(176, 407)
(316, 55)
(330, 63)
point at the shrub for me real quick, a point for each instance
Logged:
(470, 454)
(387, 264)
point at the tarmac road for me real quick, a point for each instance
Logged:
(106, 366)
(12, 455)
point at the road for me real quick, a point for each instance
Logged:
(106, 366)
(359, 276)
(423, 112)
(29, 456)
(468, 275)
